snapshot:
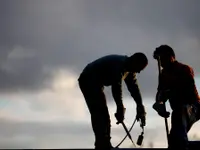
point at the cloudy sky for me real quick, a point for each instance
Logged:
(45, 44)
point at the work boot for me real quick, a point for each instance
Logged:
(103, 145)
(179, 148)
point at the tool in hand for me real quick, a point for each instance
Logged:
(159, 74)
(141, 136)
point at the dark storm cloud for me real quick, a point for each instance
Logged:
(69, 34)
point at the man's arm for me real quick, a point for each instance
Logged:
(117, 95)
(187, 76)
(117, 92)
(132, 85)
(162, 96)
(188, 83)
(163, 90)
(133, 88)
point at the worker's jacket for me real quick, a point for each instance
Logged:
(178, 79)
(109, 71)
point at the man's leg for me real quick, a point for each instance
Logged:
(181, 122)
(101, 124)
(100, 119)
(178, 135)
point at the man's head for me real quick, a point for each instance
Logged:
(137, 62)
(166, 55)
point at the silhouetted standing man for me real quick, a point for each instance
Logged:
(177, 84)
(110, 71)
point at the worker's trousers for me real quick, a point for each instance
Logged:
(100, 119)
(181, 122)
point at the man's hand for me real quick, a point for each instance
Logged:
(120, 114)
(141, 115)
(161, 110)
(162, 95)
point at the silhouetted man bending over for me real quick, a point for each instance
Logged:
(110, 71)
(177, 84)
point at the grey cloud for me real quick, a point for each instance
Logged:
(44, 135)
(69, 34)
(41, 128)
(21, 72)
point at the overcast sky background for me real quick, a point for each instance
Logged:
(45, 44)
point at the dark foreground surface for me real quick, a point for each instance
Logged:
(194, 145)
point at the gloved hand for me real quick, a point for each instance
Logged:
(119, 115)
(161, 110)
(141, 115)
(162, 95)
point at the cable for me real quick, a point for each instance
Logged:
(126, 134)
